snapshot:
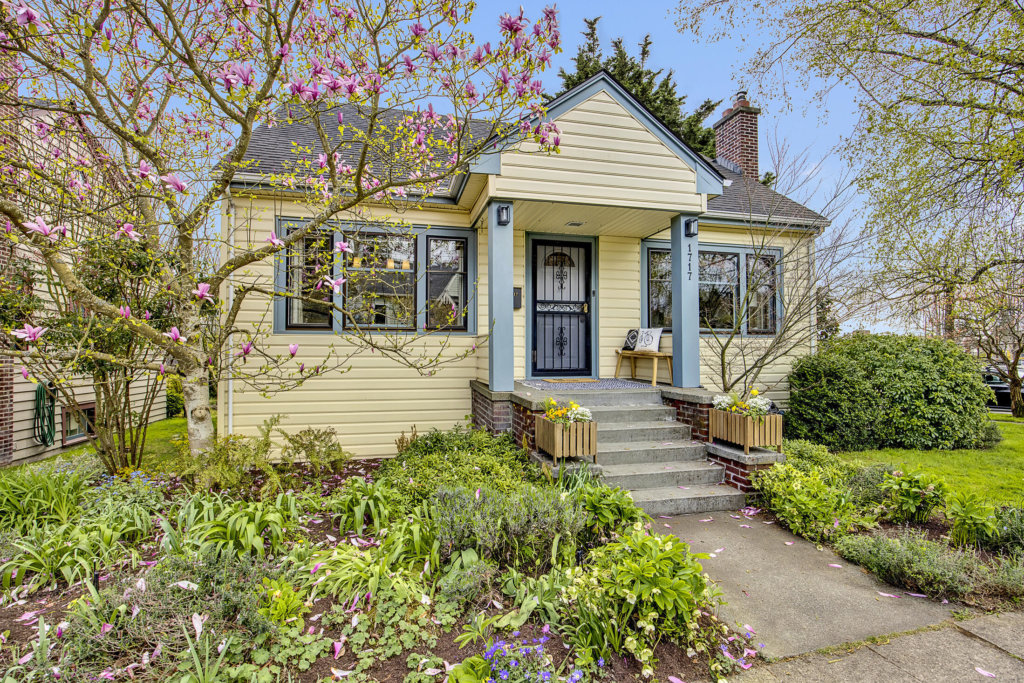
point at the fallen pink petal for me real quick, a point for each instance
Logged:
(987, 674)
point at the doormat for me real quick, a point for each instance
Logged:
(571, 380)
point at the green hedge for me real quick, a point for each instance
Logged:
(867, 391)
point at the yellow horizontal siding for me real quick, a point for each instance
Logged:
(606, 157)
(618, 301)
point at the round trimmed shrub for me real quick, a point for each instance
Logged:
(867, 391)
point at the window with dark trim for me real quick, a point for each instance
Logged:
(380, 289)
(446, 283)
(719, 274)
(722, 290)
(77, 426)
(659, 288)
(311, 303)
(762, 293)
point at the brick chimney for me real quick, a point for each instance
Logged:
(736, 136)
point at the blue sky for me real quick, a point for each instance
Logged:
(702, 70)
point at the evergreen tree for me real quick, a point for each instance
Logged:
(655, 89)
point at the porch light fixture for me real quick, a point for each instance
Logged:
(690, 227)
(574, 224)
(504, 214)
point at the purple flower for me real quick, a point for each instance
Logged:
(174, 335)
(145, 170)
(293, 349)
(29, 333)
(25, 15)
(418, 30)
(275, 240)
(127, 230)
(342, 247)
(334, 284)
(202, 292)
(124, 311)
(173, 182)
(434, 53)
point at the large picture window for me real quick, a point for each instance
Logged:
(728, 277)
(446, 283)
(380, 291)
(311, 302)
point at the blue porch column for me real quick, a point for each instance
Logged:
(499, 297)
(685, 305)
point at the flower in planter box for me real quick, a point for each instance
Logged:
(569, 413)
(755, 405)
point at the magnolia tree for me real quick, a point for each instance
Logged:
(168, 94)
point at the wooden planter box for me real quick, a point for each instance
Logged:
(746, 431)
(577, 440)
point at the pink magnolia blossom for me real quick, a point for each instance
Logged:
(127, 230)
(38, 225)
(293, 349)
(343, 247)
(147, 315)
(334, 284)
(417, 30)
(174, 335)
(29, 333)
(24, 372)
(173, 182)
(26, 16)
(275, 240)
(244, 74)
(145, 170)
(434, 53)
(124, 311)
(202, 292)
(245, 350)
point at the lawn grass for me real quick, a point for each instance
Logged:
(159, 447)
(997, 475)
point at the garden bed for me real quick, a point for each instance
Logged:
(907, 527)
(345, 570)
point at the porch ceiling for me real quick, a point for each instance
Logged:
(554, 217)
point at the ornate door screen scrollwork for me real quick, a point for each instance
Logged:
(561, 308)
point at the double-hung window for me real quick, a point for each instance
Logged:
(310, 302)
(738, 289)
(447, 287)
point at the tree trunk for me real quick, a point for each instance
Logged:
(948, 323)
(198, 417)
(1016, 401)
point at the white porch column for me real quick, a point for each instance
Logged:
(500, 373)
(685, 303)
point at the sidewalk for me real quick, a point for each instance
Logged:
(988, 647)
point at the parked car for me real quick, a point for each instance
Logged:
(996, 383)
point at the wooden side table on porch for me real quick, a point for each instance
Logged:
(655, 356)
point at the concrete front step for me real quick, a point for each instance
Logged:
(592, 399)
(632, 452)
(676, 501)
(605, 415)
(662, 475)
(654, 430)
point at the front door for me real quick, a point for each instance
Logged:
(561, 309)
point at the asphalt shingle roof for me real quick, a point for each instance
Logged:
(748, 198)
(278, 148)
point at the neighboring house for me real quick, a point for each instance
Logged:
(555, 258)
(27, 430)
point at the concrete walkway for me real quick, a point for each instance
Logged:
(952, 653)
(786, 590)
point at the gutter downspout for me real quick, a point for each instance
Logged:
(230, 427)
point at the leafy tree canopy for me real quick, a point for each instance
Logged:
(655, 89)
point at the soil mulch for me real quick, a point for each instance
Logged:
(19, 620)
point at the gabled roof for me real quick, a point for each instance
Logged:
(709, 179)
(746, 199)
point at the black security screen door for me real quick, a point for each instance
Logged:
(561, 309)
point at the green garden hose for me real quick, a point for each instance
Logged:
(43, 424)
